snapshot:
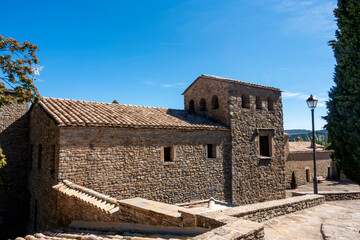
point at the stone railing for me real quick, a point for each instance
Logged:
(78, 203)
(241, 222)
(143, 211)
(90, 192)
(334, 196)
(234, 223)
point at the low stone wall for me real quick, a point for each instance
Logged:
(260, 212)
(242, 222)
(334, 196)
(233, 223)
(79, 203)
(143, 211)
(75, 205)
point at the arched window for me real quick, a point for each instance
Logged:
(191, 106)
(202, 105)
(270, 104)
(214, 102)
(245, 101)
(258, 103)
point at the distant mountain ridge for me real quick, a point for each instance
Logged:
(306, 135)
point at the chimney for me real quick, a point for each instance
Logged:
(298, 139)
(115, 102)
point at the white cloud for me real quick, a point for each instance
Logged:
(302, 96)
(292, 95)
(307, 16)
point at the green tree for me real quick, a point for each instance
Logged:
(18, 64)
(343, 107)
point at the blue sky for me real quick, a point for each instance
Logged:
(148, 52)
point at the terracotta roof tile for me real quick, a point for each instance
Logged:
(304, 147)
(67, 112)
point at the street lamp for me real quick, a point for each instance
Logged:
(312, 102)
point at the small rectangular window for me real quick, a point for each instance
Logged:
(35, 215)
(168, 154)
(52, 160)
(211, 150)
(39, 156)
(265, 146)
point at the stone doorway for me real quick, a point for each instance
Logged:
(308, 175)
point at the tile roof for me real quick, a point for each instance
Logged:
(229, 80)
(304, 147)
(67, 112)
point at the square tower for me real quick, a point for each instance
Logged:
(253, 113)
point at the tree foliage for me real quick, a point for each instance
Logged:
(17, 62)
(343, 119)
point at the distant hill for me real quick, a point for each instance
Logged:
(297, 131)
(306, 135)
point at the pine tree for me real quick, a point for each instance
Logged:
(343, 119)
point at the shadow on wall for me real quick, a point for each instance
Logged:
(192, 117)
(13, 191)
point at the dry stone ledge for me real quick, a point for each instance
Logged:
(103, 202)
(233, 223)
(90, 192)
(263, 211)
(334, 196)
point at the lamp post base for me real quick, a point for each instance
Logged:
(315, 185)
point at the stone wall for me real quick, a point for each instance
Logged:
(14, 129)
(43, 174)
(300, 162)
(260, 212)
(244, 222)
(334, 196)
(254, 178)
(206, 89)
(127, 163)
(72, 207)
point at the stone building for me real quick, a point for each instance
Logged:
(299, 158)
(14, 197)
(228, 143)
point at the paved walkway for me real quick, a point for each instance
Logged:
(338, 220)
(326, 186)
(329, 186)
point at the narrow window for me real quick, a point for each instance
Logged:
(52, 160)
(265, 146)
(31, 156)
(307, 175)
(202, 105)
(211, 150)
(270, 104)
(258, 103)
(191, 106)
(168, 156)
(39, 155)
(214, 102)
(245, 101)
(35, 215)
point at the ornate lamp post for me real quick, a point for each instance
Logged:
(312, 102)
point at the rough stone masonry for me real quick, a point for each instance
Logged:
(227, 143)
